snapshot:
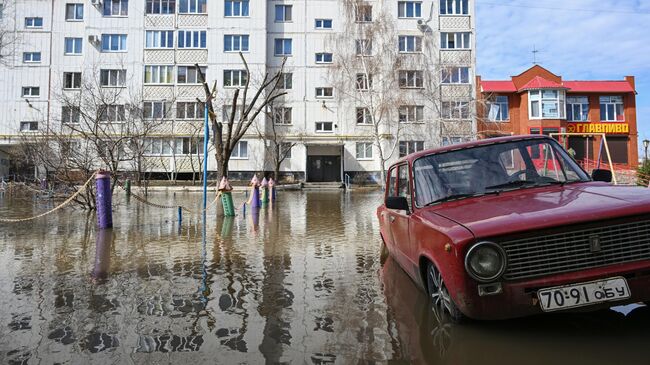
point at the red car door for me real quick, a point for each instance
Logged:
(387, 216)
(400, 220)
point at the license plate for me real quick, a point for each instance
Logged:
(579, 295)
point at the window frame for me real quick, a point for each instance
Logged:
(33, 20)
(456, 75)
(457, 7)
(323, 130)
(282, 42)
(366, 148)
(323, 21)
(230, 39)
(461, 40)
(70, 112)
(184, 106)
(242, 76)
(282, 115)
(325, 88)
(32, 54)
(75, 41)
(404, 40)
(457, 110)
(114, 110)
(122, 41)
(282, 85)
(582, 102)
(232, 8)
(198, 5)
(323, 56)
(74, 80)
(411, 75)
(364, 115)
(28, 92)
(162, 107)
(198, 39)
(156, 70)
(120, 77)
(30, 124)
(150, 41)
(403, 13)
(285, 9)
(615, 106)
(500, 103)
(408, 111)
(559, 101)
(150, 6)
(362, 15)
(190, 71)
(407, 147)
(75, 12)
(109, 5)
(237, 151)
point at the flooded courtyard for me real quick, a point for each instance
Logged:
(302, 282)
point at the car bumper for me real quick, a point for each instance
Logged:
(519, 298)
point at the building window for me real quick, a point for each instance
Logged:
(454, 7)
(192, 39)
(409, 9)
(190, 110)
(577, 108)
(282, 115)
(159, 74)
(283, 13)
(113, 42)
(324, 92)
(454, 110)
(116, 7)
(364, 116)
(227, 109)
(73, 46)
(240, 151)
(235, 8)
(285, 149)
(408, 147)
(31, 91)
(235, 43)
(410, 44)
(74, 12)
(323, 23)
(189, 74)
(449, 140)
(455, 40)
(363, 82)
(455, 75)
(286, 81)
(551, 102)
(363, 13)
(324, 58)
(364, 150)
(411, 113)
(282, 47)
(234, 78)
(363, 47)
(160, 7)
(32, 57)
(154, 110)
(112, 114)
(324, 127)
(411, 79)
(159, 39)
(34, 22)
(28, 126)
(72, 80)
(498, 109)
(192, 6)
(611, 109)
(112, 78)
(70, 115)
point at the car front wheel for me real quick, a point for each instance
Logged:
(439, 295)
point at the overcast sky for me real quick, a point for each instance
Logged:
(577, 39)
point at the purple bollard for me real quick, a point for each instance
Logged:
(103, 200)
(255, 201)
(102, 254)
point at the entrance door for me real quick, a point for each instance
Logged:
(323, 168)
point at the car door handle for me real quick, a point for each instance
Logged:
(392, 219)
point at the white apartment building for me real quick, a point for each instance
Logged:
(144, 51)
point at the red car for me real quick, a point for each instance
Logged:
(509, 227)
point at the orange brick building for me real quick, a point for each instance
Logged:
(540, 102)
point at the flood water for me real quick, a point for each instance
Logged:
(302, 283)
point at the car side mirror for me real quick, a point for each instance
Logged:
(398, 203)
(601, 175)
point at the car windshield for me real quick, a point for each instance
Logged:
(492, 169)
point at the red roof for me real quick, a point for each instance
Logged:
(599, 86)
(541, 83)
(571, 86)
(498, 86)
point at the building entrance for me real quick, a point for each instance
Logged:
(323, 168)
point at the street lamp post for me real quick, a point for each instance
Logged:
(645, 147)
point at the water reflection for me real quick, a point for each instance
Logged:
(301, 281)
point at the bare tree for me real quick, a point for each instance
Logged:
(227, 133)
(366, 71)
(275, 137)
(8, 34)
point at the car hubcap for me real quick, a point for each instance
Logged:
(439, 295)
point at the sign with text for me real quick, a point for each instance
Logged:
(607, 128)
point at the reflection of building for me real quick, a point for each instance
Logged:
(151, 47)
(537, 101)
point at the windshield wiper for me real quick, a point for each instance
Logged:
(513, 184)
(454, 197)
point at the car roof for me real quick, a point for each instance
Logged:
(481, 142)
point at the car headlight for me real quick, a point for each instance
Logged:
(485, 261)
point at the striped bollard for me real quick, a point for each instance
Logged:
(255, 193)
(103, 200)
(265, 193)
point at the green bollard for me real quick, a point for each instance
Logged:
(127, 187)
(228, 205)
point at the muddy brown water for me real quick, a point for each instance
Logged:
(300, 283)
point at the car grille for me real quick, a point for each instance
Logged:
(573, 251)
